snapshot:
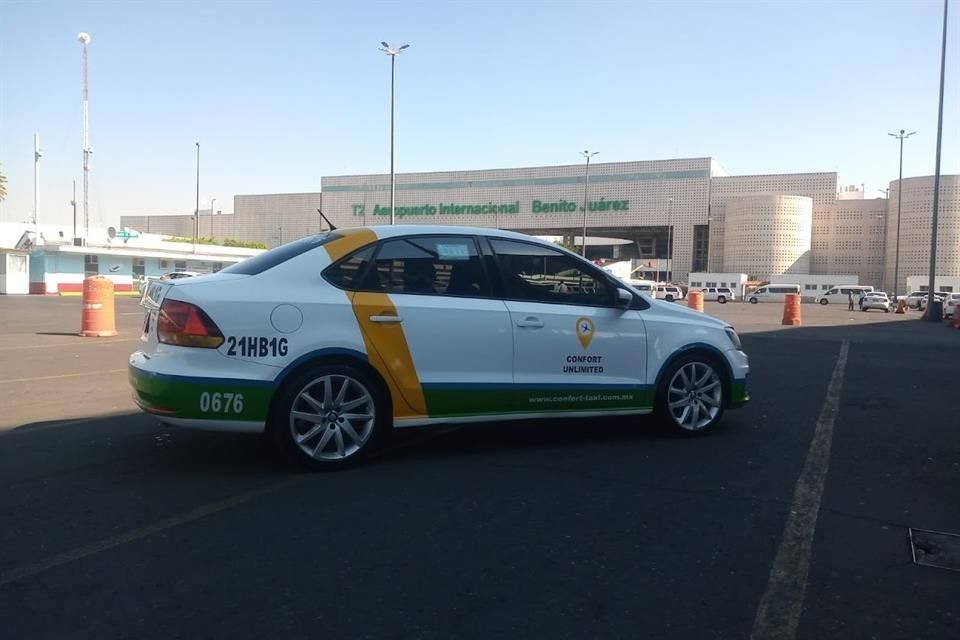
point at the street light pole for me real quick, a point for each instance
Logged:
(931, 285)
(586, 186)
(896, 261)
(393, 53)
(670, 240)
(196, 215)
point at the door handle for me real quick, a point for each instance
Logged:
(386, 319)
(530, 322)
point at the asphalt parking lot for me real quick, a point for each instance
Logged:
(116, 527)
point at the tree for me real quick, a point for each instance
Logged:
(3, 186)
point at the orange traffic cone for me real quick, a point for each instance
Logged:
(956, 318)
(791, 310)
(695, 299)
(901, 306)
(98, 319)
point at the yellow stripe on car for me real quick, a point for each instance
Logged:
(385, 342)
(349, 240)
(389, 353)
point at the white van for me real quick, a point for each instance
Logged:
(646, 286)
(718, 294)
(839, 294)
(668, 292)
(773, 293)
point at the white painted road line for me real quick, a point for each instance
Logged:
(62, 375)
(137, 534)
(782, 603)
(74, 343)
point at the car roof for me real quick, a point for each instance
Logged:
(391, 231)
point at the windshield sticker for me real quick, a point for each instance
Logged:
(453, 251)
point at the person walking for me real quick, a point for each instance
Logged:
(849, 300)
(863, 296)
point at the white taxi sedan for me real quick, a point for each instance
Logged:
(876, 300)
(950, 305)
(328, 341)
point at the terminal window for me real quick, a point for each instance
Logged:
(91, 265)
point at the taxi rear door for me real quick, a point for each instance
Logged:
(428, 310)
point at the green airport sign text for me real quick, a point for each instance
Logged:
(538, 207)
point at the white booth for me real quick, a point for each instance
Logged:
(14, 272)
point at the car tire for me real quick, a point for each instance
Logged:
(722, 299)
(692, 384)
(668, 297)
(753, 301)
(329, 416)
(824, 302)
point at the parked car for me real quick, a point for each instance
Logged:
(913, 299)
(177, 275)
(646, 286)
(370, 317)
(773, 293)
(668, 292)
(876, 300)
(922, 304)
(718, 294)
(840, 294)
(950, 305)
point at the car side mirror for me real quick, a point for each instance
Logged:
(624, 299)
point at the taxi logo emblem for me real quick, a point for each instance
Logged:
(585, 331)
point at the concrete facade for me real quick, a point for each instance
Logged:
(916, 227)
(767, 234)
(821, 188)
(849, 239)
(799, 221)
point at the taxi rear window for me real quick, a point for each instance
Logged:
(273, 257)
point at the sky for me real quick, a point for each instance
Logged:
(279, 94)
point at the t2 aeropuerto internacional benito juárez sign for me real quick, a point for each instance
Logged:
(493, 208)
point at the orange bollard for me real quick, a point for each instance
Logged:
(695, 299)
(791, 310)
(98, 319)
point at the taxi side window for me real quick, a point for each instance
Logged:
(347, 273)
(432, 265)
(536, 273)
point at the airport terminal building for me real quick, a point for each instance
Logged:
(688, 214)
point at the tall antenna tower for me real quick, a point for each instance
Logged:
(84, 39)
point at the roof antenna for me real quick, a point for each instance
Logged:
(327, 220)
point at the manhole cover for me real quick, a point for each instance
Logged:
(935, 549)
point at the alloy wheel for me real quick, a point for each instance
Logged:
(332, 418)
(695, 396)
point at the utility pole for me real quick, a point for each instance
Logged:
(196, 212)
(586, 188)
(37, 154)
(84, 39)
(73, 203)
(934, 312)
(213, 201)
(393, 53)
(896, 261)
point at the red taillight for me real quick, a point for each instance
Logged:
(186, 325)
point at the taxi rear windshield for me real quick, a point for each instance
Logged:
(273, 257)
